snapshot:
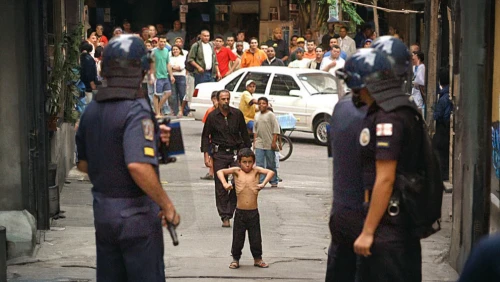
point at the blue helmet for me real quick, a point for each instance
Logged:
(125, 54)
(365, 66)
(397, 53)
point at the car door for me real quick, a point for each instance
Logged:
(261, 80)
(284, 103)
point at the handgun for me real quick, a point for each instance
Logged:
(165, 159)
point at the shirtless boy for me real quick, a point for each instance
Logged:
(246, 216)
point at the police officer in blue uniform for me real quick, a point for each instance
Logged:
(347, 214)
(117, 143)
(389, 139)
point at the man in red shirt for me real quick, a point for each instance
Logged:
(224, 56)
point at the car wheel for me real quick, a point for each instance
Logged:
(321, 130)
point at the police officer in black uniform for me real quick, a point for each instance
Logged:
(389, 138)
(117, 143)
(224, 133)
(346, 217)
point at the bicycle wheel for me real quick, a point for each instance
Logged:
(287, 147)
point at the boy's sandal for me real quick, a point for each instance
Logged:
(261, 264)
(234, 265)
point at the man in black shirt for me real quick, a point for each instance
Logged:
(271, 59)
(224, 133)
(88, 72)
(279, 45)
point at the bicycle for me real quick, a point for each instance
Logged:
(287, 123)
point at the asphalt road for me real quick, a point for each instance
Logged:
(294, 224)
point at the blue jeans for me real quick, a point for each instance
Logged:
(267, 159)
(206, 76)
(178, 93)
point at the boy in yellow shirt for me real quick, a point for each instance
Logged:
(248, 104)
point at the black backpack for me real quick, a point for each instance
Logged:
(187, 65)
(421, 192)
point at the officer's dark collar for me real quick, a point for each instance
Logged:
(120, 88)
(388, 95)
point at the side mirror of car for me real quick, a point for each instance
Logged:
(296, 93)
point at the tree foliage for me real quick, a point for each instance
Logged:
(322, 8)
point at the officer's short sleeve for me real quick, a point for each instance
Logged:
(388, 136)
(139, 138)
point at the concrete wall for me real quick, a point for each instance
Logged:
(62, 149)
(12, 94)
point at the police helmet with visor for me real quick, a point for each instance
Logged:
(397, 53)
(125, 56)
(365, 66)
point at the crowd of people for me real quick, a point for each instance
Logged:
(178, 69)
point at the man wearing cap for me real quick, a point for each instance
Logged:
(365, 33)
(279, 45)
(176, 32)
(334, 62)
(300, 62)
(301, 42)
(248, 104)
(253, 57)
(271, 59)
(117, 31)
(368, 43)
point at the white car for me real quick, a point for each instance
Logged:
(310, 95)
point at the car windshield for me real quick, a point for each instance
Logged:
(319, 83)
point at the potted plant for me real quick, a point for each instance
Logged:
(55, 84)
(72, 73)
(62, 90)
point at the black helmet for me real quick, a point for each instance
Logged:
(365, 66)
(124, 56)
(397, 53)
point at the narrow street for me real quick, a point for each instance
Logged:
(294, 223)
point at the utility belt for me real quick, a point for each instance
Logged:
(224, 149)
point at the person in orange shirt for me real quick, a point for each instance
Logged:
(311, 52)
(210, 174)
(253, 57)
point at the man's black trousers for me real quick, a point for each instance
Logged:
(246, 220)
(225, 200)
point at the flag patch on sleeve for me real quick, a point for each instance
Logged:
(384, 129)
(148, 128)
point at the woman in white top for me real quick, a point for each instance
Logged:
(177, 61)
(418, 80)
